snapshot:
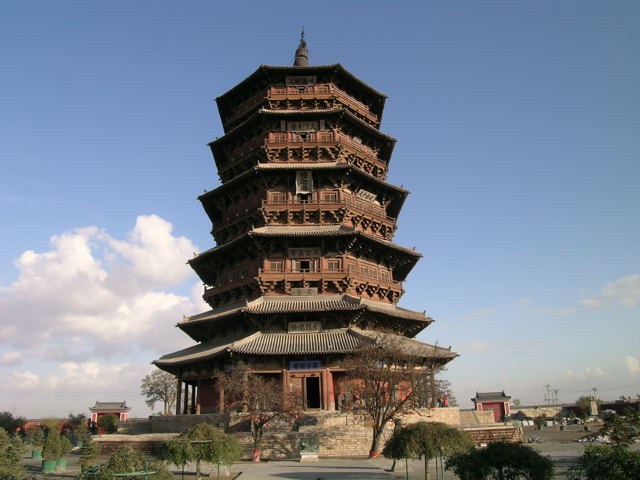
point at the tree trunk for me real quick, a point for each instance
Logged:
(375, 443)
(426, 468)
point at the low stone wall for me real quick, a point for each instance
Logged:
(470, 417)
(181, 423)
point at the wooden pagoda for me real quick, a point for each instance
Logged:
(305, 270)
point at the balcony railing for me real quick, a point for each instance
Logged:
(323, 139)
(309, 92)
(322, 92)
(316, 274)
(366, 208)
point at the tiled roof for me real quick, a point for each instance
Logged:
(112, 406)
(299, 166)
(333, 341)
(324, 230)
(335, 66)
(312, 303)
(276, 113)
(345, 340)
(490, 396)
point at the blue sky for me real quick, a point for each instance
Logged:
(518, 137)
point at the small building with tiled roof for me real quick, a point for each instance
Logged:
(304, 271)
(100, 409)
(497, 402)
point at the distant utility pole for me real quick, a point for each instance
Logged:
(547, 395)
(555, 397)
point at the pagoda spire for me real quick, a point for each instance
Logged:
(302, 54)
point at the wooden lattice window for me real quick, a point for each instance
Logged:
(330, 197)
(278, 197)
(384, 276)
(276, 265)
(334, 264)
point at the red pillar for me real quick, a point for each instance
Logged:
(331, 405)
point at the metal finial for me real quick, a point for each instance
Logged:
(302, 54)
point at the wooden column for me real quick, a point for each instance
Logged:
(193, 399)
(432, 387)
(285, 386)
(220, 400)
(178, 396)
(186, 398)
(198, 399)
(331, 405)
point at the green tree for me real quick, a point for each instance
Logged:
(109, 422)
(77, 427)
(65, 446)
(52, 448)
(89, 454)
(125, 459)
(501, 461)
(606, 463)
(35, 436)
(434, 440)
(397, 447)
(203, 443)
(10, 423)
(622, 430)
(11, 447)
(159, 386)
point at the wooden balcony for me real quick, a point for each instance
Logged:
(363, 208)
(326, 91)
(317, 275)
(326, 140)
(321, 92)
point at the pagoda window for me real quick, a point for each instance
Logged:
(330, 197)
(334, 264)
(278, 197)
(276, 265)
(305, 265)
(384, 276)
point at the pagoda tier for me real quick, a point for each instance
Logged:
(304, 272)
(291, 260)
(342, 195)
(300, 88)
(291, 136)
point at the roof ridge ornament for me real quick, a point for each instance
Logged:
(302, 54)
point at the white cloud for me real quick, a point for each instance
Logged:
(587, 372)
(633, 366)
(21, 381)
(478, 313)
(523, 301)
(624, 291)
(10, 359)
(93, 295)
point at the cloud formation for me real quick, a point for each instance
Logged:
(625, 292)
(92, 295)
(10, 359)
(633, 366)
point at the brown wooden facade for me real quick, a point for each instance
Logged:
(305, 271)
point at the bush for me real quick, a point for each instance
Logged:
(52, 448)
(65, 446)
(109, 422)
(203, 443)
(10, 456)
(501, 460)
(89, 454)
(606, 463)
(35, 436)
(125, 460)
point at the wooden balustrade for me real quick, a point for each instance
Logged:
(367, 208)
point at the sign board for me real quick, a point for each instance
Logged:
(304, 252)
(299, 80)
(304, 365)
(366, 195)
(304, 292)
(302, 126)
(298, 327)
(304, 182)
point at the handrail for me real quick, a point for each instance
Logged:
(313, 204)
(318, 272)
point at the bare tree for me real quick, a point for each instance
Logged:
(159, 386)
(384, 379)
(257, 399)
